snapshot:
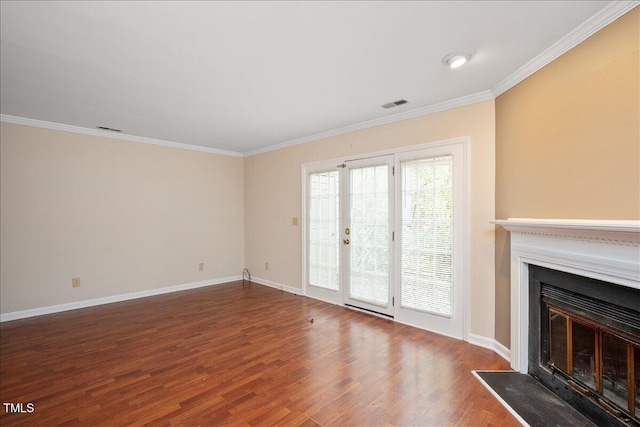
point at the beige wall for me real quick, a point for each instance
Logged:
(568, 142)
(124, 216)
(273, 192)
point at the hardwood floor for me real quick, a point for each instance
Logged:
(237, 354)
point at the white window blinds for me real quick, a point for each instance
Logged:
(426, 253)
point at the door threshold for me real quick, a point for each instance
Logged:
(364, 310)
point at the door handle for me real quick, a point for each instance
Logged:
(346, 241)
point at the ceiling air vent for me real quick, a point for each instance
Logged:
(109, 129)
(394, 103)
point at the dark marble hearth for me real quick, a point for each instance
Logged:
(533, 402)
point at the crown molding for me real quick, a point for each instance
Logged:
(422, 111)
(106, 134)
(604, 17)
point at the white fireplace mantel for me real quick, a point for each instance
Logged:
(607, 250)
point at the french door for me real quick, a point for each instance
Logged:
(349, 234)
(386, 234)
(367, 224)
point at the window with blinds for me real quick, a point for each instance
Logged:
(426, 252)
(324, 208)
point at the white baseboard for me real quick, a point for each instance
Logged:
(277, 285)
(108, 300)
(491, 344)
(502, 351)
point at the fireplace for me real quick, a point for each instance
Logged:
(574, 312)
(584, 343)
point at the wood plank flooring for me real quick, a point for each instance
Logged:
(239, 355)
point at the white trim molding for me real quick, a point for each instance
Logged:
(600, 249)
(112, 135)
(490, 344)
(604, 17)
(276, 285)
(23, 314)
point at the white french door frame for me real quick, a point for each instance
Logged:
(455, 325)
(386, 308)
(463, 228)
(317, 292)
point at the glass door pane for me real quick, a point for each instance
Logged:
(426, 257)
(369, 236)
(636, 371)
(615, 381)
(430, 239)
(324, 247)
(558, 340)
(583, 338)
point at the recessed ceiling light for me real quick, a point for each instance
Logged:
(455, 60)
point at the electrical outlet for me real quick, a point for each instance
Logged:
(266, 265)
(75, 282)
(201, 266)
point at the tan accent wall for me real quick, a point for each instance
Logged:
(273, 189)
(123, 216)
(568, 142)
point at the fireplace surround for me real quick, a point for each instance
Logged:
(600, 253)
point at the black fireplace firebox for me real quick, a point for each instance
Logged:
(584, 344)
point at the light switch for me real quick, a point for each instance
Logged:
(294, 221)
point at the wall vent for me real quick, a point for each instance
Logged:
(109, 129)
(394, 103)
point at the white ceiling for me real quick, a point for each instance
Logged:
(242, 76)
